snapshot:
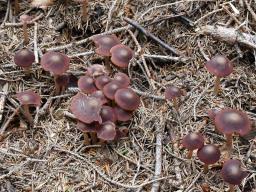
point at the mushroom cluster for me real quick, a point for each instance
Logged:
(102, 104)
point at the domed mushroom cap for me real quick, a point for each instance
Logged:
(107, 131)
(110, 89)
(86, 84)
(104, 43)
(29, 98)
(230, 121)
(220, 66)
(123, 79)
(209, 154)
(25, 18)
(121, 55)
(211, 113)
(57, 63)
(96, 70)
(24, 58)
(99, 95)
(107, 114)
(86, 109)
(122, 115)
(101, 81)
(231, 172)
(172, 92)
(193, 141)
(84, 127)
(127, 99)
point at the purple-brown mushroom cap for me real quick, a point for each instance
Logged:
(229, 121)
(29, 98)
(121, 55)
(25, 18)
(107, 113)
(122, 115)
(100, 95)
(110, 89)
(172, 92)
(86, 109)
(86, 84)
(24, 58)
(101, 81)
(231, 172)
(123, 79)
(127, 99)
(84, 127)
(209, 154)
(219, 66)
(56, 63)
(96, 70)
(193, 141)
(107, 131)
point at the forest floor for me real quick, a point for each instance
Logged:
(52, 156)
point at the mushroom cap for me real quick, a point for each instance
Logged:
(209, 154)
(122, 115)
(101, 81)
(193, 141)
(110, 89)
(230, 121)
(84, 127)
(127, 99)
(86, 84)
(24, 58)
(107, 113)
(25, 18)
(231, 172)
(107, 131)
(211, 113)
(57, 63)
(100, 95)
(123, 79)
(86, 109)
(96, 70)
(220, 66)
(121, 55)
(62, 80)
(172, 92)
(29, 98)
(104, 43)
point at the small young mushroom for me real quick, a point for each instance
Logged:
(173, 93)
(107, 131)
(232, 173)
(101, 81)
(107, 113)
(110, 89)
(122, 115)
(100, 95)
(127, 99)
(123, 79)
(24, 58)
(56, 63)
(96, 70)
(86, 84)
(193, 141)
(84, 8)
(229, 121)
(25, 19)
(208, 154)
(90, 129)
(220, 66)
(27, 99)
(86, 109)
(121, 55)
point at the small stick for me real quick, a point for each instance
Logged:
(21, 24)
(35, 43)
(250, 9)
(10, 118)
(2, 100)
(217, 85)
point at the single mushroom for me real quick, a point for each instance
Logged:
(127, 99)
(86, 84)
(57, 64)
(101, 81)
(25, 19)
(90, 129)
(193, 141)
(121, 55)
(96, 70)
(86, 109)
(208, 154)
(122, 115)
(100, 95)
(220, 66)
(229, 121)
(24, 58)
(110, 89)
(104, 43)
(27, 99)
(107, 131)
(84, 8)
(123, 79)
(107, 113)
(232, 173)
(173, 93)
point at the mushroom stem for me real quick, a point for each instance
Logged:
(206, 168)
(231, 188)
(27, 70)
(94, 138)
(86, 139)
(229, 138)
(175, 104)
(84, 10)
(57, 86)
(190, 153)
(16, 7)
(27, 114)
(25, 33)
(107, 63)
(217, 85)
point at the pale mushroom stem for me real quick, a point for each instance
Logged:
(84, 10)
(25, 33)
(206, 168)
(231, 188)
(190, 153)
(94, 137)
(175, 104)
(217, 85)
(27, 113)
(86, 139)
(16, 7)
(229, 138)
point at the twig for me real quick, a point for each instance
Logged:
(6, 14)
(185, 20)
(28, 23)
(2, 100)
(250, 9)
(194, 181)
(35, 43)
(207, 15)
(164, 57)
(110, 14)
(10, 118)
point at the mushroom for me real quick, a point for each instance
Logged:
(24, 58)
(127, 99)
(229, 121)
(110, 89)
(104, 43)
(123, 79)
(25, 19)
(208, 154)
(107, 113)
(232, 173)
(96, 70)
(173, 93)
(220, 66)
(107, 131)
(193, 141)
(122, 115)
(27, 99)
(121, 55)
(84, 8)
(90, 129)
(86, 109)
(56, 63)
(100, 95)
(86, 84)
(101, 81)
